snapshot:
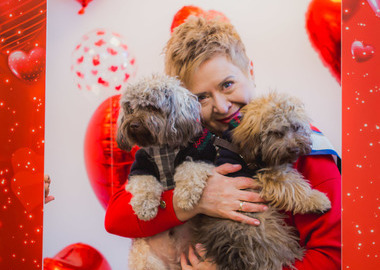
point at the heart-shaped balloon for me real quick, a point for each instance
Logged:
(77, 256)
(107, 166)
(26, 179)
(27, 66)
(361, 52)
(323, 24)
(20, 23)
(84, 4)
(182, 14)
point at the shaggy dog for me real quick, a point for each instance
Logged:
(273, 133)
(163, 119)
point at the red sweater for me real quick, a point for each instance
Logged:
(319, 234)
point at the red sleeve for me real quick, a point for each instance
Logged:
(121, 220)
(320, 234)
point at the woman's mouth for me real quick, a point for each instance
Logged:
(227, 119)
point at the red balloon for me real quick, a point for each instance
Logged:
(77, 256)
(20, 23)
(182, 14)
(84, 4)
(27, 66)
(107, 166)
(323, 24)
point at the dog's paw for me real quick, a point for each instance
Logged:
(147, 211)
(186, 199)
(319, 202)
(191, 179)
(146, 193)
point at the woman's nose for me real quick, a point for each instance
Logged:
(221, 104)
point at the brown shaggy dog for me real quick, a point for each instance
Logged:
(273, 133)
(162, 118)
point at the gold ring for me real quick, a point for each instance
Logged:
(241, 206)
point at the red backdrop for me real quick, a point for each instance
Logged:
(22, 103)
(361, 137)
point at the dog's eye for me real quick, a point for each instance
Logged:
(128, 109)
(277, 134)
(152, 109)
(296, 127)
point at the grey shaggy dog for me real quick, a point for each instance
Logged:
(163, 119)
(273, 133)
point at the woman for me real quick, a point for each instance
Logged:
(210, 59)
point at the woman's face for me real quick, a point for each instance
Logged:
(222, 89)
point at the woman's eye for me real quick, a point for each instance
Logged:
(202, 98)
(227, 84)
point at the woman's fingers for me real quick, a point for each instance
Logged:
(47, 178)
(245, 183)
(192, 257)
(227, 168)
(251, 207)
(184, 264)
(250, 196)
(239, 217)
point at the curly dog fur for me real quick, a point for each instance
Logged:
(157, 113)
(273, 133)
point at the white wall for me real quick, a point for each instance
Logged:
(275, 36)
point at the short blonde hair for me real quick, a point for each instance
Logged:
(198, 40)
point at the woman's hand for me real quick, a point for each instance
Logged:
(225, 197)
(48, 198)
(195, 263)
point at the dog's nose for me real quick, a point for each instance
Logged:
(135, 125)
(293, 150)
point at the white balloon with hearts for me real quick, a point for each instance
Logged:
(101, 61)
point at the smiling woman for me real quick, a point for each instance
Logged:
(275, 39)
(222, 89)
(223, 86)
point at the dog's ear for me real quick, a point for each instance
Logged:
(122, 140)
(184, 120)
(247, 134)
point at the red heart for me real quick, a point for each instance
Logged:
(95, 60)
(113, 68)
(107, 166)
(80, 59)
(26, 179)
(27, 66)
(323, 24)
(100, 42)
(361, 52)
(103, 82)
(118, 87)
(80, 74)
(84, 4)
(79, 257)
(111, 51)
